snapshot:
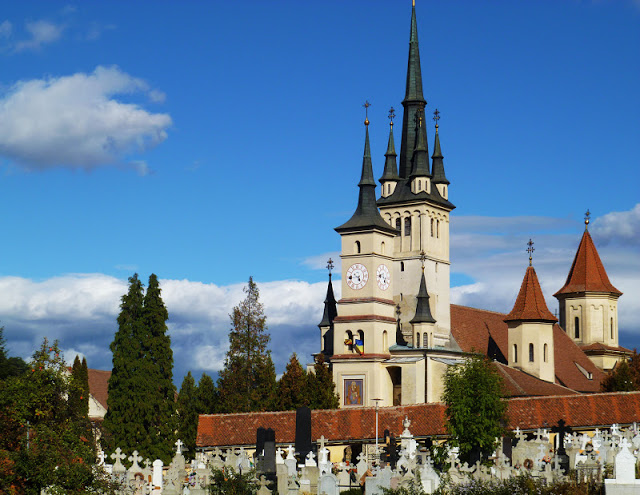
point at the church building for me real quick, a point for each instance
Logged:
(394, 332)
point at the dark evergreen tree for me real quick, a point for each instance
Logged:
(248, 380)
(207, 395)
(9, 366)
(127, 418)
(158, 365)
(321, 388)
(293, 390)
(624, 377)
(79, 390)
(187, 408)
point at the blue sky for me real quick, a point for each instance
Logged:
(210, 141)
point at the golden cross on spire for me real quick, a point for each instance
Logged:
(530, 250)
(436, 117)
(392, 115)
(586, 219)
(330, 265)
(423, 257)
(366, 112)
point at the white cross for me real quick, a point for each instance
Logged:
(290, 451)
(179, 445)
(322, 440)
(118, 455)
(134, 458)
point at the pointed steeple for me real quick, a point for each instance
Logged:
(587, 273)
(413, 99)
(437, 165)
(423, 311)
(330, 311)
(420, 158)
(530, 304)
(366, 215)
(390, 165)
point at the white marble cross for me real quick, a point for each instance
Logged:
(290, 451)
(615, 430)
(118, 456)
(179, 445)
(322, 441)
(134, 458)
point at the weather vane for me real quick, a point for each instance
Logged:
(436, 117)
(530, 250)
(330, 266)
(423, 257)
(586, 219)
(366, 112)
(392, 115)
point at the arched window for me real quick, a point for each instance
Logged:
(407, 226)
(545, 353)
(425, 339)
(402, 266)
(515, 353)
(348, 341)
(419, 184)
(531, 353)
(417, 340)
(398, 224)
(438, 228)
(357, 247)
(576, 326)
(361, 339)
(385, 341)
(432, 227)
(382, 248)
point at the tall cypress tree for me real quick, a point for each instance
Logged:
(248, 381)
(293, 391)
(159, 365)
(208, 396)
(187, 408)
(124, 424)
(79, 389)
(322, 389)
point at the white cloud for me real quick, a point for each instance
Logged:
(618, 227)
(76, 121)
(42, 32)
(5, 29)
(157, 96)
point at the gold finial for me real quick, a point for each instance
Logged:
(366, 112)
(586, 219)
(413, 3)
(423, 257)
(436, 117)
(530, 250)
(392, 115)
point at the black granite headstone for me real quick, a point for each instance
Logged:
(303, 432)
(269, 458)
(393, 451)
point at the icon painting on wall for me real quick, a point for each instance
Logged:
(353, 389)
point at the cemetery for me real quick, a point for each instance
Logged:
(607, 456)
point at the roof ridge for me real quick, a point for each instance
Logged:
(479, 309)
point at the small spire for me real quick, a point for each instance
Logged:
(530, 250)
(420, 159)
(586, 219)
(399, 337)
(423, 310)
(437, 167)
(390, 165)
(366, 112)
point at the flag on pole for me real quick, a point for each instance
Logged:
(359, 346)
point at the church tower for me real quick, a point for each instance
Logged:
(589, 306)
(530, 327)
(415, 202)
(365, 326)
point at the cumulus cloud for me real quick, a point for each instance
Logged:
(41, 32)
(5, 29)
(618, 227)
(76, 121)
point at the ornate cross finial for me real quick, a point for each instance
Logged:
(398, 312)
(586, 219)
(330, 265)
(392, 115)
(530, 250)
(423, 257)
(366, 112)
(436, 117)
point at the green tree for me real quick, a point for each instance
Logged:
(141, 392)
(248, 381)
(624, 377)
(9, 366)
(43, 444)
(187, 408)
(321, 388)
(79, 395)
(227, 481)
(293, 389)
(207, 395)
(476, 413)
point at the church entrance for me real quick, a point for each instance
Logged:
(395, 373)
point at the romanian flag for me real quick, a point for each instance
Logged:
(359, 346)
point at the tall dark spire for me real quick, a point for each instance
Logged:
(423, 311)
(437, 165)
(366, 215)
(390, 164)
(413, 99)
(420, 158)
(330, 312)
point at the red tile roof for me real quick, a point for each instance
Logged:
(478, 330)
(599, 346)
(349, 424)
(517, 383)
(99, 385)
(587, 272)
(530, 303)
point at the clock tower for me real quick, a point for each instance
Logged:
(365, 326)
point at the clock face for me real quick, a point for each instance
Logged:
(357, 276)
(383, 277)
